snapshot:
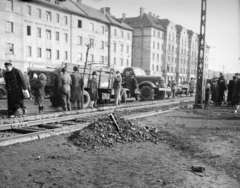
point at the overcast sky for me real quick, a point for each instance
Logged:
(223, 23)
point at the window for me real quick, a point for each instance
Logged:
(48, 32)
(48, 15)
(114, 60)
(122, 34)
(115, 47)
(79, 23)
(168, 58)
(39, 32)
(121, 47)
(39, 52)
(9, 5)
(57, 54)
(102, 29)
(57, 18)
(29, 51)
(158, 46)
(157, 68)
(127, 49)
(10, 49)
(57, 36)
(153, 56)
(121, 61)
(48, 53)
(91, 26)
(181, 70)
(102, 44)
(29, 10)
(39, 13)
(157, 57)
(80, 40)
(66, 37)
(29, 30)
(92, 57)
(127, 62)
(153, 45)
(79, 56)
(171, 69)
(128, 36)
(91, 42)
(102, 59)
(9, 27)
(66, 55)
(115, 32)
(66, 20)
(173, 59)
(173, 48)
(158, 36)
(153, 67)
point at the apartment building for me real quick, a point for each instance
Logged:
(148, 39)
(49, 32)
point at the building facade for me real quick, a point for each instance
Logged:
(48, 32)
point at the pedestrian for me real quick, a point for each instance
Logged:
(55, 97)
(230, 91)
(117, 85)
(214, 90)
(65, 90)
(236, 93)
(134, 87)
(191, 86)
(221, 89)
(76, 88)
(16, 90)
(39, 93)
(173, 88)
(93, 90)
(207, 95)
(26, 77)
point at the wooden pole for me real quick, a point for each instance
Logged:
(88, 47)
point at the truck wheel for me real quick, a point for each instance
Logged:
(1, 94)
(124, 97)
(160, 95)
(147, 93)
(86, 99)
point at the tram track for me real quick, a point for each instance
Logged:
(43, 128)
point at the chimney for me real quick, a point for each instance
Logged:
(141, 12)
(150, 13)
(107, 9)
(103, 10)
(123, 17)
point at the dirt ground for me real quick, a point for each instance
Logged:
(190, 137)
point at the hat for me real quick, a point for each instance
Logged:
(117, 72)
(8, 64)
(94, 73)
(237, 74)
(75, 68)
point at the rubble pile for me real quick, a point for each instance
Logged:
(104, 133)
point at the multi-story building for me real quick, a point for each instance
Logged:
(182, 54)
(49, 32)
(169, 49)
(148, 40)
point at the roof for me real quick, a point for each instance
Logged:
(145, 21)
(165, 23)
(179, 28)
(117, 22)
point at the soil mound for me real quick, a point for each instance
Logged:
(105, 133)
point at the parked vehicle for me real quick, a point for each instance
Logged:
(3, 90)
(182, 89)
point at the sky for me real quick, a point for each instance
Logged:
(222, 23)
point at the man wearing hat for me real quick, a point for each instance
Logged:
(76, 88)
(236, 93)
(117, 85)
(15, 85)
(93, 90)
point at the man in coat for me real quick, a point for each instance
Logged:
(173, 87)
(65, 90)
(191, 86)
(214, 90)
(222, 88)
(230, 90)
(15, 85)
(236, 93)
(76, 88)
(117, 85)
(134, 87)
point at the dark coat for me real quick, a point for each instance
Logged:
(134, 83)
(56, 97)
(236, 92)
(214, 90)
(93, 90)
(230, 89)
(39, 87)
(207, 94)
(15, 83)
(76, 87)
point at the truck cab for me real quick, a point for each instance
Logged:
(151, 87)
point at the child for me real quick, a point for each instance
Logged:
(93, 90)
(207, 95)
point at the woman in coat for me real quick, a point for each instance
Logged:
(93, 90)
(39, 87)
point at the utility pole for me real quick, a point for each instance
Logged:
(199, 98)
